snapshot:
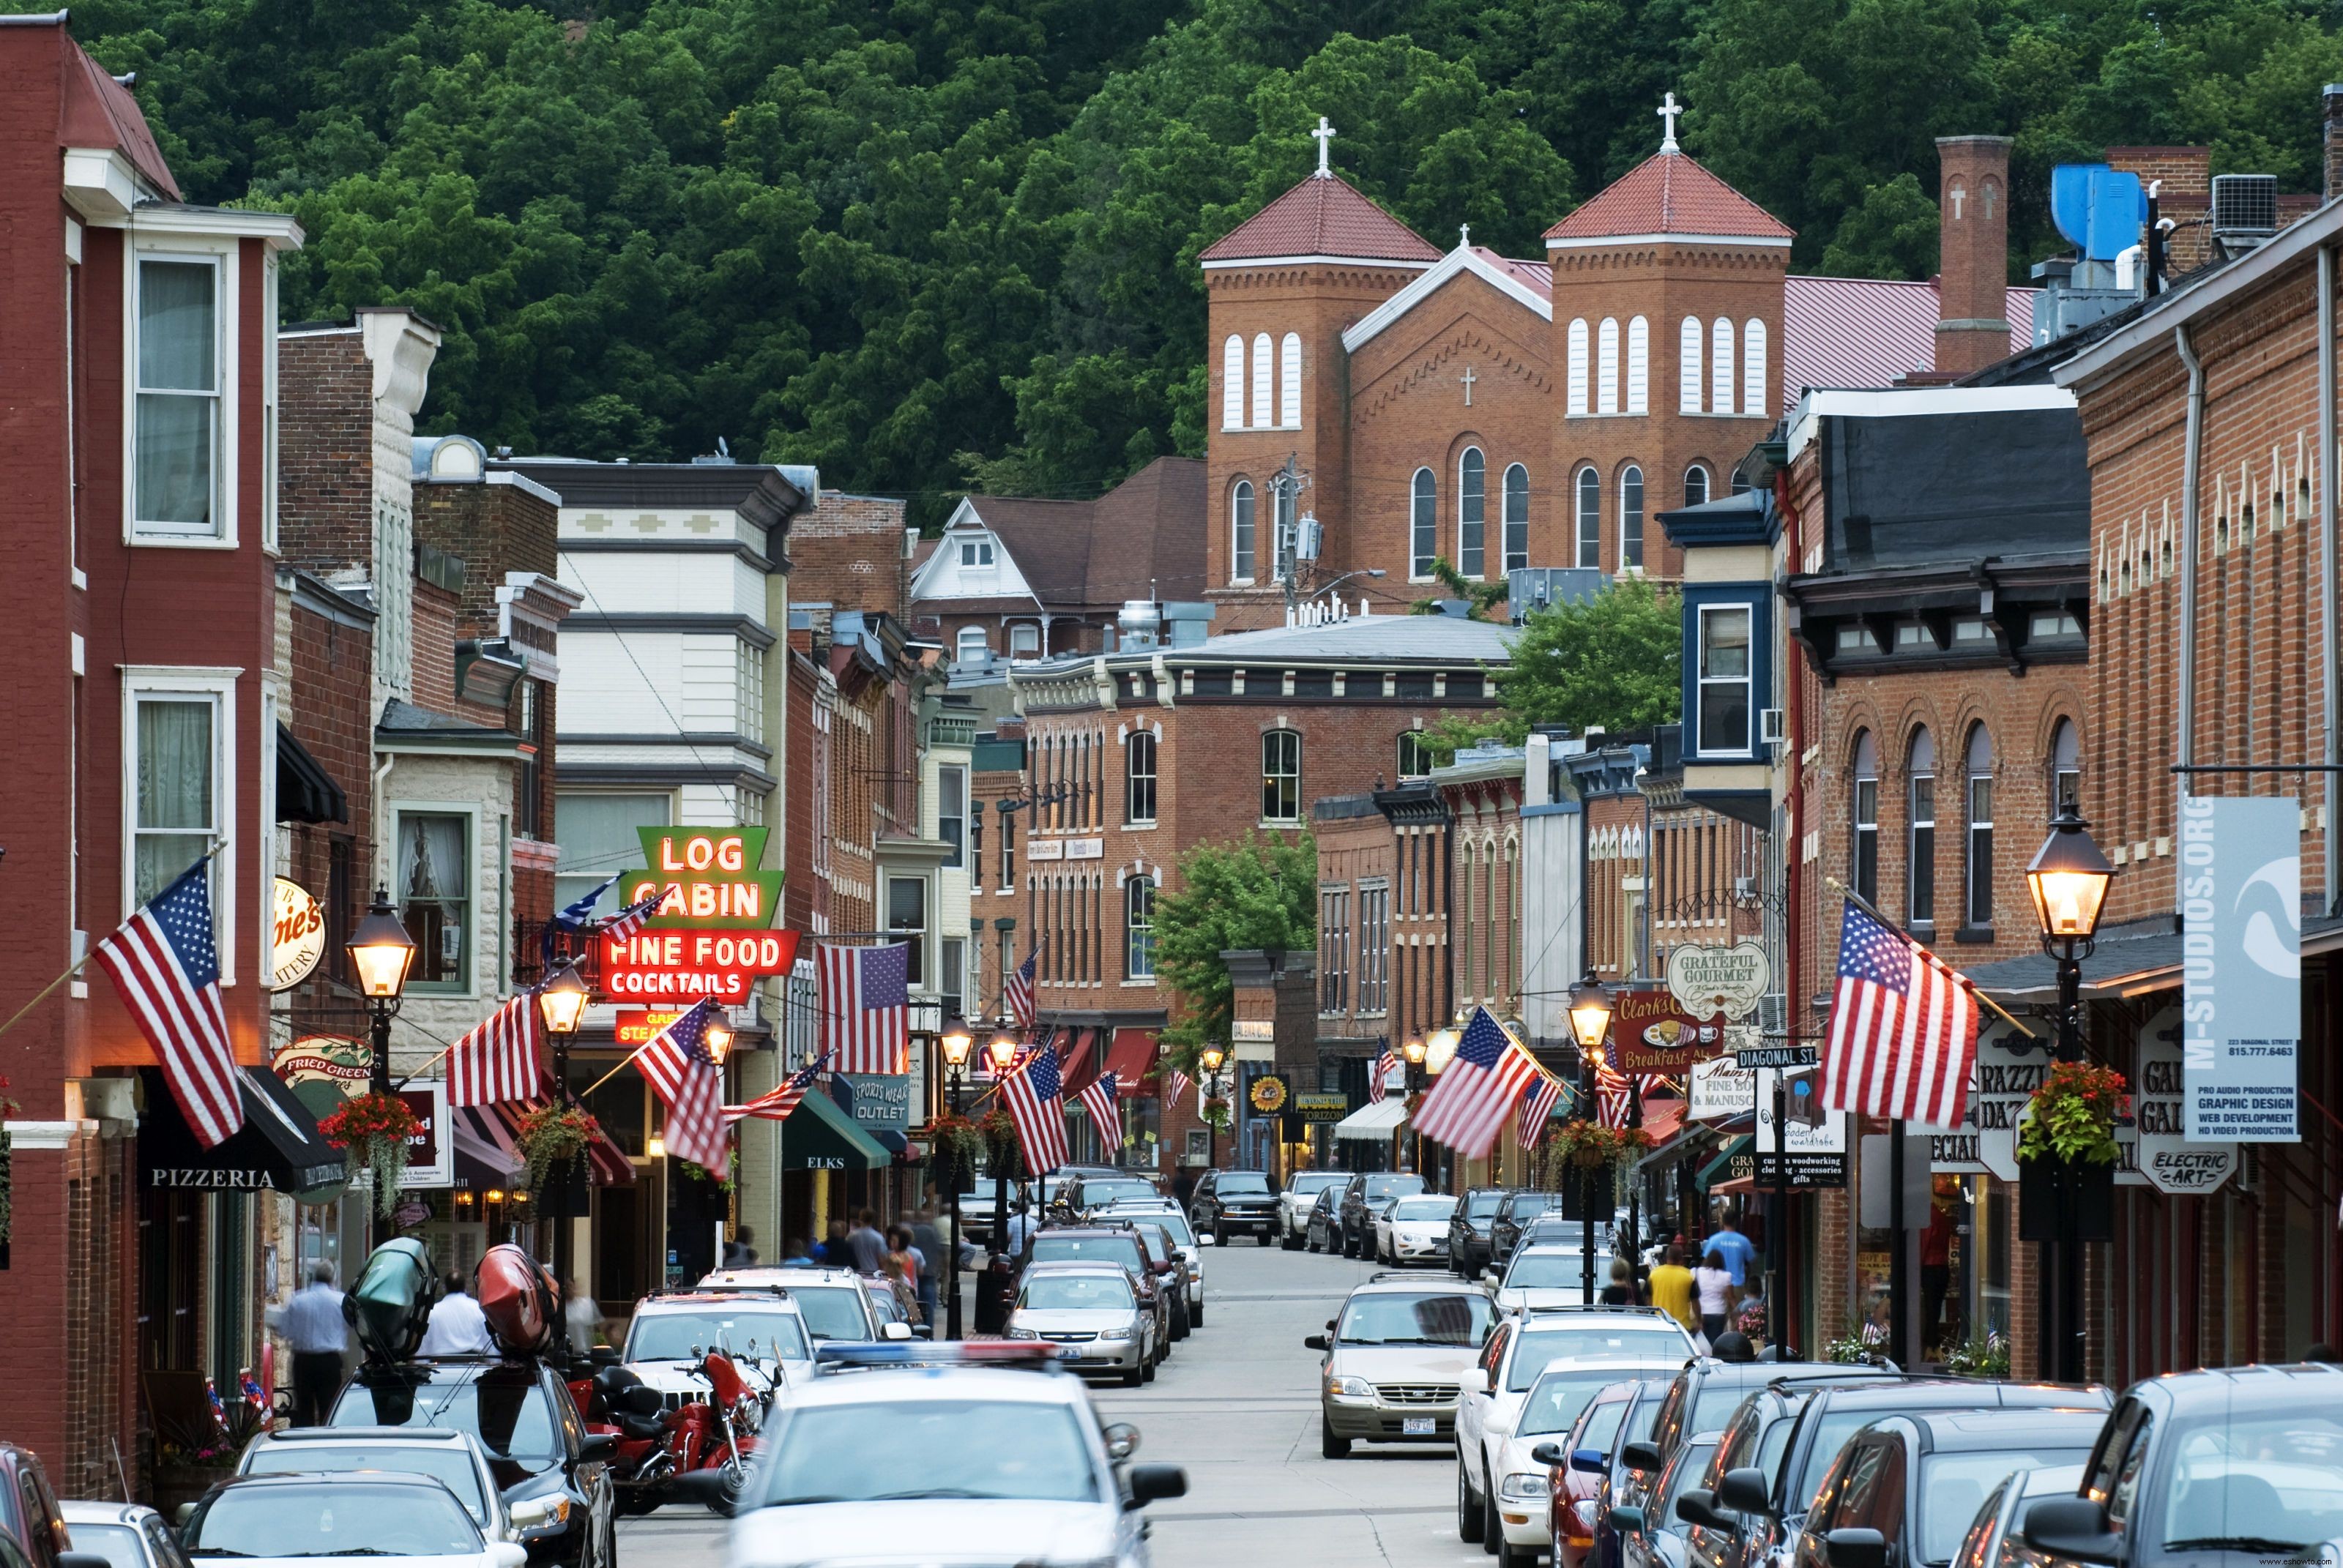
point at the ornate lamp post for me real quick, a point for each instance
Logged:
(1590, 1020)
(1414, 1052)
(561, 1003)
(1209, 1060)
(958, 1043)
(1002, 1050)
(382, 952)
(2067, 879)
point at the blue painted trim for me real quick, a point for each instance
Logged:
(1559, 809)
(1759, 597)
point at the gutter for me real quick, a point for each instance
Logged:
(2330, 701)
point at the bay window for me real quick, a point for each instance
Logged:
(176, 488)
(1724, 679)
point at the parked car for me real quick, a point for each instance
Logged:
(1515, 1211)
(123, 1535)
(1354, 1211)
(1170, 1273)
(1906, 1489)
(1167, 1212)
(1468, 1230)
(1323, 1233)
(1234, 1203)
(2219, 1468)
(1090, 1310)
(1081, 1195)
(1704, 1394)
(1582, 1492)
(378, 1515)
(454, 1459)
(1544, 1275)
(1516, 1502)
(1302, 1190)
(1393, 1358)
(1994, 1540)
(30, 1520)
(1649, 1532)
(763, 1332)
(832, 1301)
(1108, 1243)
(1415, 1230)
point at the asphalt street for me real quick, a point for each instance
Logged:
(1237, 1404)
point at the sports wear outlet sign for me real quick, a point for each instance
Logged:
(709, 934)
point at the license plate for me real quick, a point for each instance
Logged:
(1418, 1426)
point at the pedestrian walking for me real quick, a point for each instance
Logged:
(1672, 1287)
(320, 1338)
(457, 1326)
(832, 1251)
(740, 1248)
(1620, 1290)
(927, 1239)
(1734, 1247)
(900, 1268)
(866, 1246)
(1713, 1283)
(581, 1315)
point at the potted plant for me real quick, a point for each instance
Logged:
(2072, 1116)
(553, 1135)
(1592, 1146)
(8, 1108)
(375, 1130)
(959, 1143)
(1216, 1113)
(1002, 1155)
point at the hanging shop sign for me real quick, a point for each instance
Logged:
(430, 1153)
(1267, 1094)
(1720, 1089)
(883, 1101)
(2009, 1067)
(707, 878)
(2156, 1150)
(1816, 1155)
(296, 935)
(1317, 1108)
(1726, 979)
(1651, 1032)
(658, 968)
(337, 1062)
(2241, 967)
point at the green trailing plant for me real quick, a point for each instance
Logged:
(553, 1135)
(8, 1109)
(1590, 1145)
(2073, 1115)
(958, 1142)
(1984, 1355)
(1259, 891)
(375, 1131)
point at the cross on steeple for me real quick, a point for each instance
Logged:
(1464, 235)
(1668, 111)
(1324, 137)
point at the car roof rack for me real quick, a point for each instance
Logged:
(1385, 1276)
(1560, 1307)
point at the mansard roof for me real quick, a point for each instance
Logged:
(1324, 216)
(1668, 195)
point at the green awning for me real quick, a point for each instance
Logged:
(1718, 1169)
(819, 1136)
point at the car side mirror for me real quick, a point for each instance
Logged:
(508, 1554)
(530, 1512)
(2073, 1527)
(1488, 1276)
(1589, 1460)
(181, 1514)
(1154, 1483)
(100, 1560)
(1313, 1342)
(1626, 1520)
(1745, 1491)
(1643, 1457)
(894, 1330)
(597, 1445)
(1855, 1547)
(1697, 1507)
(1547, 1454)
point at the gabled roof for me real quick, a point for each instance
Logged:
(1147, 534)
(1322, 216)
(1668, 195)
(1527, 283)
(1857, 332)
(99, 112)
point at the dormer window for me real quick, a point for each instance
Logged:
(1972, 629)
(2047, 624)
(1855, 639)
(976, 552)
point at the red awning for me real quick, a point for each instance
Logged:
(1662, 1118)
(1132, 1057)
(1074, 1059)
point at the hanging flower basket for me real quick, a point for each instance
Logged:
(8, 1108)
(1591, 1146)
(553, 1136)
(2072, 1116)
(958, 1143)
(1216, 1113)
(375, 1130)
(1003, 1156)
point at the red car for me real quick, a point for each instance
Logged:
(30, 1520)
(1581, 1486)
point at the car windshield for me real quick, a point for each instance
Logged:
(884, 1450)
(1953, 1487)
(1683, 1476)
(1303, 1182)
(672, 1336)
(1392, 1186)
(1077, 1292)
(833, 1311)
(1172, 1220)
(117, 1543)
(1601, 1430)
(1546, 1271)
(333, 1519)
(450, 1464)
(1539, 1347)
(504, 1406)
(1448, 1318)
(1097, 1192)
(1719, 1397)
(1424, 1209)
(1560, 1397)
(1528, 1203)
(2278, 1478)
(1118, 1249)
(1241, 1184)
(1480, 1205)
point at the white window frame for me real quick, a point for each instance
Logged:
(1747, 679)
(1024, 641)
(1466, 500)
(1264, 367)
(1707, 484)
(1606, 366)
(1289, 381)
(1977, 830)
(1752, 365)
(968, 635)
(1722, 366)
(1138, 964)
(1244, 558)
(947, 775)
(916, 937)
(475, 892)
(1295, 818)
(1141, 757)
(179, 683)
(224, 256)
(1643, 507)
(1578, 404)
(1422, 526)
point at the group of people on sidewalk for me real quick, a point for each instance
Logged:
(1707, 1286)
(911, 1255)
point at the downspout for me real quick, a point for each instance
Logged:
(2191, 447)
(1794, 851)
(2330, 705)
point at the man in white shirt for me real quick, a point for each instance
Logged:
(457, 1327)
(319, 1335)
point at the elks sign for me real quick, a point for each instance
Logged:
(710, 934)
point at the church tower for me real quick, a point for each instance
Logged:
(1666, 340)
(1280, 290)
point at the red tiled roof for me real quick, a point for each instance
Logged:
(99, 112)
(1866, 332)
(1323, 217)
(1668, 193)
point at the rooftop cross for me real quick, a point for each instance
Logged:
(1668, 111)
(1324, 135)
(1463, 235)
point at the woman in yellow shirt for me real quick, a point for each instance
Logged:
(1671, 1285)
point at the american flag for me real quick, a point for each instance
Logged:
(167, 967)
(775, 1104)
(1036, 1103)
(1612, 1098)
(1099, 1100)
(497, 1060)
(1017, 996)
(630, 919)
(866, 1007)
(1467, 1105)
(1179, 1082)
(1378, 1075)
(1537, 1107)
(678, 1066)
(1904, 1029)
(573, 916)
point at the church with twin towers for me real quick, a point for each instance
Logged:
(1496, 411)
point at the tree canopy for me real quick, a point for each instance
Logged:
(1255, 892)
(927, 242)
(1614, 660)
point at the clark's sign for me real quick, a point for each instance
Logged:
(2241, 967)
(1650, 1032)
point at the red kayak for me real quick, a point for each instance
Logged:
(519, 1299)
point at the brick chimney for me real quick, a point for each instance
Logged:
(2330, 112)
(1972, 266)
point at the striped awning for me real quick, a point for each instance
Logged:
(502, 1128)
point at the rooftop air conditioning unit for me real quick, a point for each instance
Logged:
(2245, 211)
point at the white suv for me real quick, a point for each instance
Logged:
(1302, 1190)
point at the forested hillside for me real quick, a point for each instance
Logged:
(934, 241)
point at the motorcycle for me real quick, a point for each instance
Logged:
(656, 1444)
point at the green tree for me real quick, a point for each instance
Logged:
(1616, 660)
(1891, 232)
(1254, 893)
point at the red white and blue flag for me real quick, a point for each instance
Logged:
(1468, 1105)
(1538, 1101)
(775, 1104)
(1378, 1075)
(495, 1060)
(630, 919)
(1904, 1029)
(166, 964)
(1612, 1097)
(1179, 1082)
(1099, 1100)
(1017, 995)
(1035, 1096)
(866, 1007)
(678, 1065)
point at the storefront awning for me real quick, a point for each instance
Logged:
(277, 1150)
(481, 1163)
(1378, 1120)
(305, 793)
(819, 1136)
(1075, 1058)
(1132, 1057)
(1718, 1169)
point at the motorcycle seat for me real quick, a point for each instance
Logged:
(634, 1425)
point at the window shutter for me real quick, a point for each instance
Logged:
(1721, 367)
(1289, 382)
(1753, 366)
(1606, 366)
(1232, 384)
(1578, 368)
(1261, 370)
(1639, 364)
(1688, 352)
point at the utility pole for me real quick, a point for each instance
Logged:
(1285, 532)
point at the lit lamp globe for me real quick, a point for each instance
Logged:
(381, 950)
(1414, 1050)
(1003, 1051)
(1440, 1050)
(562, 999)
(1590, 1013)
(656, 1148)
(2068, 878)
(957, 1042)
(719, 1037)
(1211, 1058)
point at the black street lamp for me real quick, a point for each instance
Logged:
(957, 1042)
(1414, 1052)
(1439, 1050)
(2068, 878)
(561, 1003)
(382, 952)
(1001, 1049)
(1590, 1021)
(1209, 1060)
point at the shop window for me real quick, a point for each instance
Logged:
(433, 868)
(1922, 859)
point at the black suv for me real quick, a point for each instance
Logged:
(1234, 1203)
(1520, 1207)
(1468, 1230)
(538, 1448)
(1354, 1216)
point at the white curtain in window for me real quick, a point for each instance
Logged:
(1753, 366)
(1289, 381)
(1263, 369)
(176, 817)
(1606, 366)
(433, 855)
(1688, 352)
(1721, 366)
(1639, 365)
(1578, 367)
(179, 383)
(1232, 384)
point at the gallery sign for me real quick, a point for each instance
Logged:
(297, 934)
(1726, 979)
(2241, 967)
(1651, 1032)
(2157, 1150)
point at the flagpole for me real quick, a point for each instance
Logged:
(1869, 908)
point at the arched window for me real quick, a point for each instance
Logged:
(1753, 366)
(1921, 796)
(1589, 518)
(1139, 777)
(1606, 366)
(1232, 384)
(1631, 518)
(1415, 756)
(1289, 381)
(1286, 497)
(2065, 769)
(1139, 928)
(1578, 377)
(1979, 771)
(1721, 366)
(1866, 814)
(1464, 925)
(1639, 365)
(1688, 365)
(1695, 486)
(1281, 776)
(1241, 532)
(1472, 513)
(971, 647)
(1424, 526)
(1262, 371)
(1517, 517)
